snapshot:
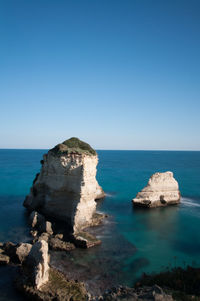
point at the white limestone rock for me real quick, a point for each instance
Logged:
(66, 187)
(162, 189)
(48, 228)
(37, 264)
(22, 251)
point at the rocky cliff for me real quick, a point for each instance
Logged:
(36, 264)
(66, 187)
(162, 189)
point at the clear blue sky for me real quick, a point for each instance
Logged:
(117, 74)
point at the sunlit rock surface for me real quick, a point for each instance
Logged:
(37, 264)
(162, 189)
(66, 187)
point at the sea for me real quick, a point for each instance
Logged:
(134, 241)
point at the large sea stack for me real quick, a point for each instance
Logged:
(162, 189)
(66, 187)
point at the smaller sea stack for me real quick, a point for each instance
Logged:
(162, 190)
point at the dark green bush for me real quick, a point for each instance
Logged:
(73, 146)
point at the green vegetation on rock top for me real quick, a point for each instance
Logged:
(73, 146)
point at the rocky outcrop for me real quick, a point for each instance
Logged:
(36, 219)
(14, 253)
(38, 223)
(58, 288)
(44, 236)
(66, 187)
(85, 240)
(10, 250)
(22, 251)
(155, 293)
(36, 265)
(161, 190)
(59, 244)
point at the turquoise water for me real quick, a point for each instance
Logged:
(133, 241)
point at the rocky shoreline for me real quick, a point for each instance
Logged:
(176, 284)
(58, 287)
(61, 205)
(62, 212)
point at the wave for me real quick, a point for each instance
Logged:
(189, 202)
(110, 195)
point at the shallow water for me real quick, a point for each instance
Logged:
(133, 241)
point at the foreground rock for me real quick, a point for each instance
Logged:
(58, 244)
(16, 253)
(85, 240)
(161, 190)
(58, 288)
(22, 251)
(9, 249)
(183, 283)
(155, 293)
(66, 187)
(36, 266)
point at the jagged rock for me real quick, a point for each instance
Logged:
(154, 293)
(22, 251)
(57, 244)
(4, 259)
(36, 219)
(161, 190)
(38, 223)
(17, 253)
(44, 236)
(36, 265)
(98, 218)
(66, 187)
(10, 250)
(48, 228)
(34, 233)
(59, 235)
(58, 288)
(85, 240)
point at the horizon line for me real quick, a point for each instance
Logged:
(168, 150)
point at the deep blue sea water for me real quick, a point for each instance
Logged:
(133, 241)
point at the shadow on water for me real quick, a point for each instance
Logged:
(136, 265)
(8, 292)
(13, 220)
(186, 247)
(100, 267)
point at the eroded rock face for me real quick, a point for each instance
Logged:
(60, 245)
(37, 264)
(36, 219)
(38, 223)
(23, 250)
(58, 288)
(161, 190)
(66, 187)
